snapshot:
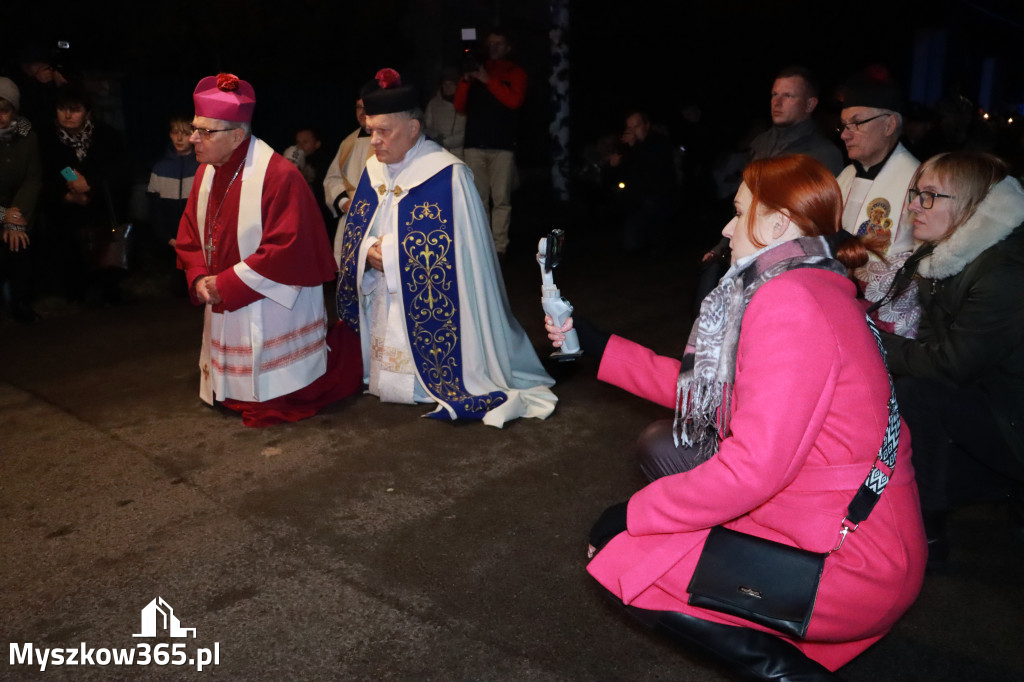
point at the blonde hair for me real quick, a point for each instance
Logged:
(969, 177)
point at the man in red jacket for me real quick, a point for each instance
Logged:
(490, 97)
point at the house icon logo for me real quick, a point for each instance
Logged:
(159, 614)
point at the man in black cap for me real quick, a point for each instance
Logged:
(875, 187)
(420, 279)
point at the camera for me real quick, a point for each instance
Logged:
(473, 52)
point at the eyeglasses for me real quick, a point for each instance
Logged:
(927, 198)
(854, 126)
(206, 133)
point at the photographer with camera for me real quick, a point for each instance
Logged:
(490, 95)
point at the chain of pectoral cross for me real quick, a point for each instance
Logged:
(210, 245)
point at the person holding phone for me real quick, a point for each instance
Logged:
(87, 186)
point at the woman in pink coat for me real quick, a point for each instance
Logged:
(781, 406)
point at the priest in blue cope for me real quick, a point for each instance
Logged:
(420, 279)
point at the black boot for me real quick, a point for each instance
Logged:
(751, 654)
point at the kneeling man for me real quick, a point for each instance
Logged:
(255, 252)
(421, 282)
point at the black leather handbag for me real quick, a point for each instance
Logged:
(773, 584)
(765, 582)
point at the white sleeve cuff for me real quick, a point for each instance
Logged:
(389, 252)
(283, 294)
(365, 277)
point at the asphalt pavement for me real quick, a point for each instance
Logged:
(368, 543)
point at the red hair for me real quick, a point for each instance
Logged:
(807, 192)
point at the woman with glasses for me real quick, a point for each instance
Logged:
(961, 385)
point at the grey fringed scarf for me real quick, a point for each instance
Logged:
(704, 388)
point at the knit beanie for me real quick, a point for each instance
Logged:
(9, 91)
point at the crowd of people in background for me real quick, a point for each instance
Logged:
(72, 185)
(939, 265)
(67, 177)
(660, 179)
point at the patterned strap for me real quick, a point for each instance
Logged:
(871, 489)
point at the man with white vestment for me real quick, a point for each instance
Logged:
(344, 172)
(420, 278)
(255, 252)
(874, 188)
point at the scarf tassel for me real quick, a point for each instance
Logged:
(707, 371)
(702, 415)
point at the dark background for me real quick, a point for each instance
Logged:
(308, 58)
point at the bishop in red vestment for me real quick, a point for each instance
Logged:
(255, 253)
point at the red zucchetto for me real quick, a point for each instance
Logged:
(225, 97)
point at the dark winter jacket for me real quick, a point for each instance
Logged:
(971, 288)
(21, 175)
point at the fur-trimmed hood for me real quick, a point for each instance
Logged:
(999, 214)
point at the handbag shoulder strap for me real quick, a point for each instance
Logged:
(885, 463)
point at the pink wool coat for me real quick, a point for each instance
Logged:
(809, 414)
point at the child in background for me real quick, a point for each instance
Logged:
(169, 186)
(171, 180)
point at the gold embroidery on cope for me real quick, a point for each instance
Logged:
(351, 241)
(429, 269)
(355, 222)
